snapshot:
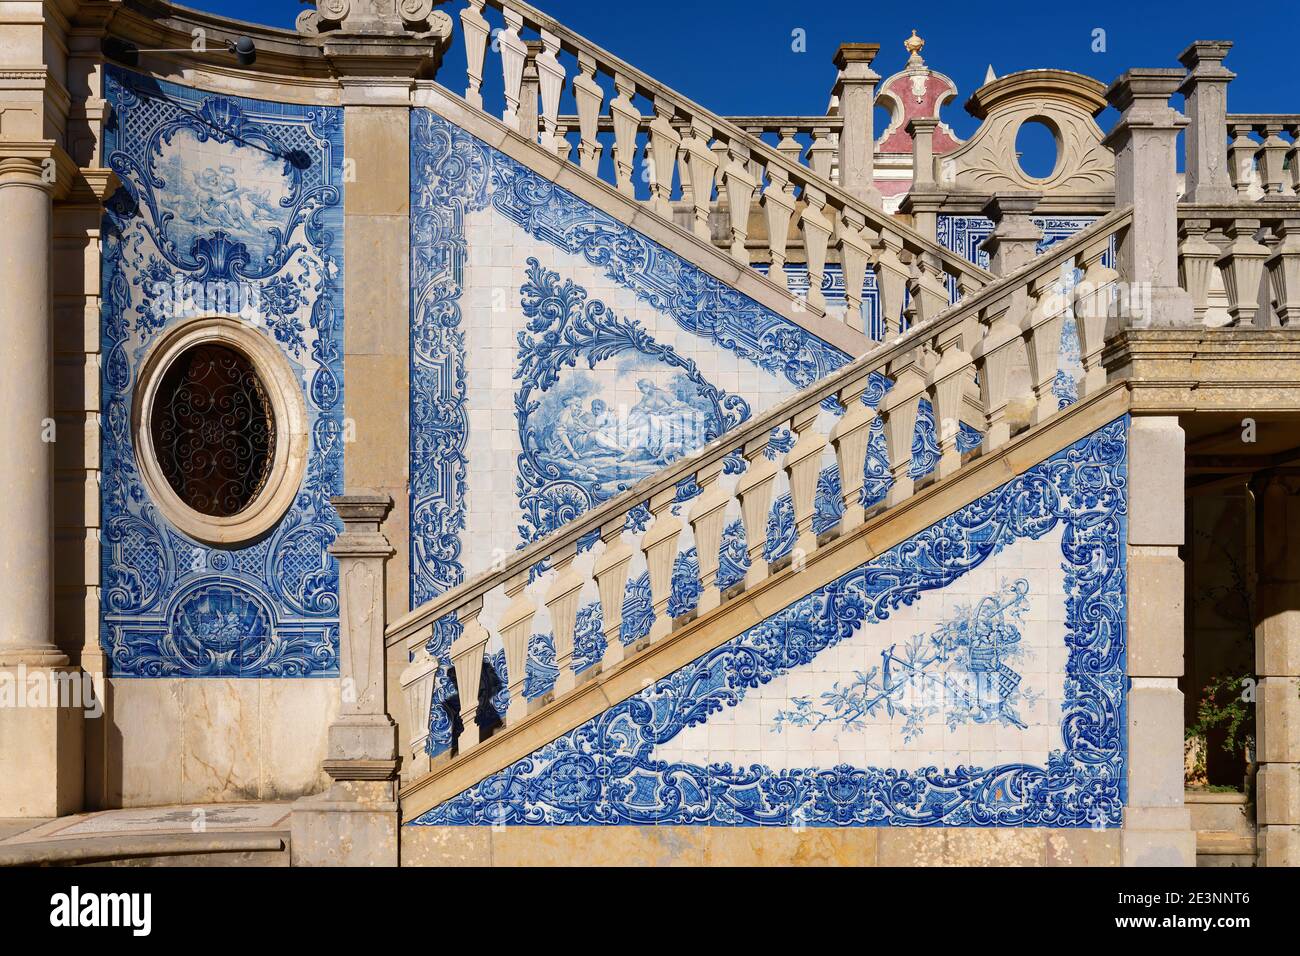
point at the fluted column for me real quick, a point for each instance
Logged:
(40, 746)
(1145, 143)
(25, 368)
(1277, 666)
(1205, 92)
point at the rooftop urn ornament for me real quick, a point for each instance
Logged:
(914, 45)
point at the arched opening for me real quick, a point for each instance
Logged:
(1037, 148)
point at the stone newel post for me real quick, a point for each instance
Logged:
(1205, 91)
(856, 89)
(354, 823)
(1145, 142)
(1014, 239)
(1277, 666)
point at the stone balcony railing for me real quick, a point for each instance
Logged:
(996, 351)
(668, 150)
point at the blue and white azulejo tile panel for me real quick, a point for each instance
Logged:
(973, 675)
(537, 319)
(228, 206)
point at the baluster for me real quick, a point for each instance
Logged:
(778, 204)
(708, 514)
(1242, 266)
(1293, 160)
(1041, 330)
(467, 657)
(516, 627)
(816, 228)
(683, 128)
(1241, 158)
(529, 125)
(562, 603)
(854, 253)
(476, 31)
(946, 387)
(1284, 272)
(417, 682)
(803, 464)
(740, 186)
(850, 437)
(993, 356)
(754, 489)
(1272, 157)
(589, 96)
(550, 75)
(703, 167)
(513, 53)
(899, 410)
(1092, 309)
(562, 145)
(821, 152)
(664, 143)
(627, 120)
(611, 571)
(891, 281)
(1196, 257)
(660, 547)
(928, 288)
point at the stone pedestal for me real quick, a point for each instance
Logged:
(1205, 92)
(1157, 826)
(354, 823)
(856, 90)
(1015, 238)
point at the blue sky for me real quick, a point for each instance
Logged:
(736, 57)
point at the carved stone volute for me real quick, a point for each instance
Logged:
(386, 18)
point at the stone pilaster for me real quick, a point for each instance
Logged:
(1277, 666)
(354, 823)
(1205, 91)
(856, 89)
(1145, 142)
(924, 200)
(1014, 239)
(1157, 826)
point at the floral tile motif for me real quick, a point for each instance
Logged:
(228, 206)
(619, 768)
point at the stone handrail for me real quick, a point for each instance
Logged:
(962, 358)
(689, 150)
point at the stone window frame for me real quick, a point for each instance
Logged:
(288, 455)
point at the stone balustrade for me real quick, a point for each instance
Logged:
(1266, 167)
(1241, 264)
(660, 148)
(960, 359)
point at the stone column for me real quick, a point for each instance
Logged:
(1205, 92)
(1014, 239)
(40, 742)
(354, 823)
(1157, 826)
(1277, 665)
(1145, 143)
(856, 89)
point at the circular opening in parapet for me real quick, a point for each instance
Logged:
(1037, 148)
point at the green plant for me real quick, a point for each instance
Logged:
(1224, 705)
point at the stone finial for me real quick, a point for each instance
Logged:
(914, 45)
(376, 18)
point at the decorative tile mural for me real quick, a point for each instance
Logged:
(973, 675)
(228, 206)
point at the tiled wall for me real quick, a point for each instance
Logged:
(228, 206)
(973, 675)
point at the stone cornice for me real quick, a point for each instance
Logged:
(1075, 88)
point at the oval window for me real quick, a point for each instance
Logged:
(213, 429)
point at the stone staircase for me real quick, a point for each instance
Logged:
(687, 165)
(861, 477)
